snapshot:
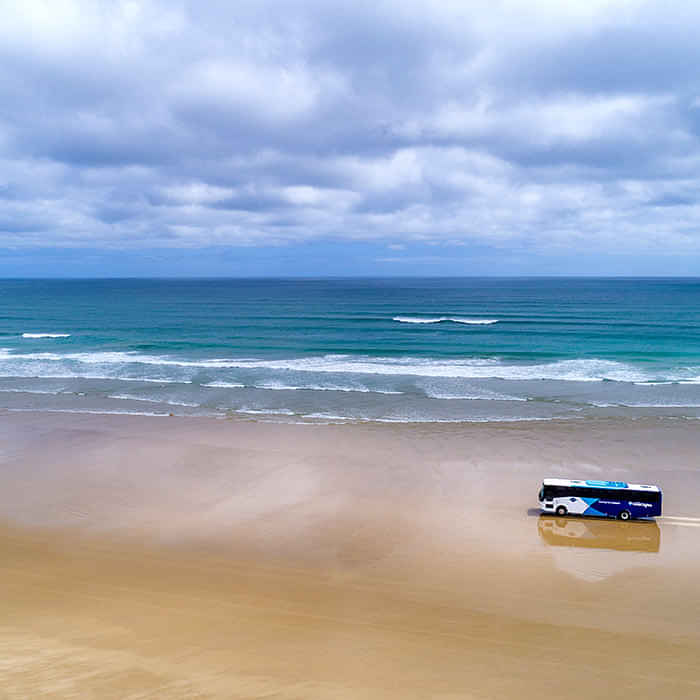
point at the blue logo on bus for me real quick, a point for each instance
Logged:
(608, 484)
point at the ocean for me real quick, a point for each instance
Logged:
(346, 350)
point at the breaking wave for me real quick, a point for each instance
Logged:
(122, 365)
(443, 319)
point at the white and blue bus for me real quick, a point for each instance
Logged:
(610, 499)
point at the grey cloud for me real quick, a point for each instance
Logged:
(672, 200)
(653, 56)
(144, 123)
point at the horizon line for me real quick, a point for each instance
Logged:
(341, 277)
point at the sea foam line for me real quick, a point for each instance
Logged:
(443, 319)
(130, 397)
(86, 411)
(34, 336)
(473, 397)
(224, 385)
(32, 391)
(602, 404)
(488, 419)
(328, 416)
(272, 386)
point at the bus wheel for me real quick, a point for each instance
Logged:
(625, 515)
(561, 510)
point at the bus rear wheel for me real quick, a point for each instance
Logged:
(625, 515)
(561, 510)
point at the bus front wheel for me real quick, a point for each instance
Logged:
(625, 515)
(561, 510)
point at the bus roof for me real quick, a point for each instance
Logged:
(600, 484)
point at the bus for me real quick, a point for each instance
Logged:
(609, 499)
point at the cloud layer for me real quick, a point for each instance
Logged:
(545, 126)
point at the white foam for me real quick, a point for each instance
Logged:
(274, 386)
(681, 404)
(476, 368)
(580, 370)
(490, 419)
(150, 380)
(130, 397)
(654, 383)
(635, 404)
(443, 319)
(473, 397)
(330, 418)
(264, 411)
(224, 385)
(97, 358)
(34, 336)
(25, 366)
(31, 391)
(122, 358)
(91, 412)
(327, 416)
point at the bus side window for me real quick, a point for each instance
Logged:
(644, 496)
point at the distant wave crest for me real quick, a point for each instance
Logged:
(443, 319)
(34, 336)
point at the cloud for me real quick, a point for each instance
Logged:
(143, 124)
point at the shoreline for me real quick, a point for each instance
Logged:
(237, 417)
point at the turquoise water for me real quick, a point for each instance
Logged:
(335, 350)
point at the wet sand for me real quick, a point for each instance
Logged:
(196, 558)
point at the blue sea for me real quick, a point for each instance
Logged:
(325, 351)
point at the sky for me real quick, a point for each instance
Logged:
(407, 137)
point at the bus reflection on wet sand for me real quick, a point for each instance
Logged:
(600, 534)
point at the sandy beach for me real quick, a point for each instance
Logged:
(202, 558)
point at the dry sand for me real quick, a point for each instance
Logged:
(200, 558)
